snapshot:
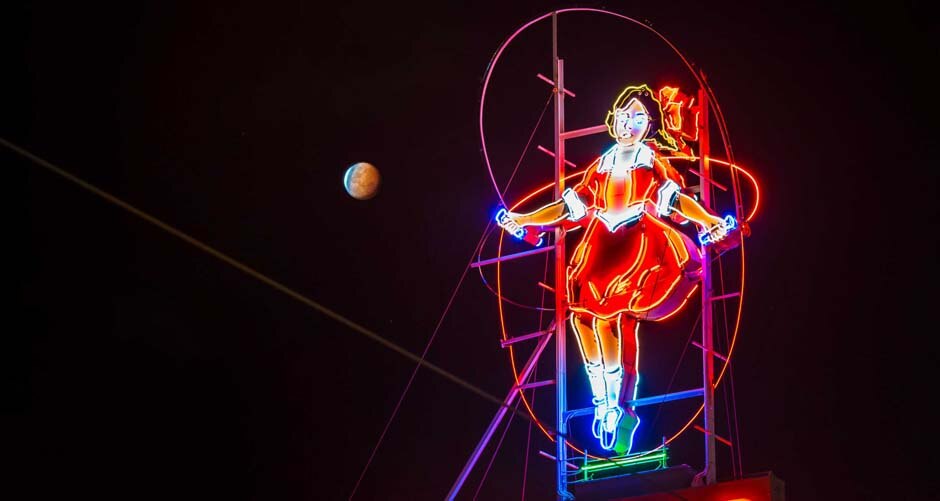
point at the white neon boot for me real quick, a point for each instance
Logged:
(613, 380)
(595, 374)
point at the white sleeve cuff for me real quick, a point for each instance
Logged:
(576, 208)
(667, 196)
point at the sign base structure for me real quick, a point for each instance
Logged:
(669, 484)
(616, 466)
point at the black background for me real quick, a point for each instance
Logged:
(136, 366)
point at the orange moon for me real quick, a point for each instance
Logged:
(362, 180)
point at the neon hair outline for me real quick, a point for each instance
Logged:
(627, 96)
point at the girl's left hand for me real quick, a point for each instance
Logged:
(717, 230)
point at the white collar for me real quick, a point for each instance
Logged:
(620, 160)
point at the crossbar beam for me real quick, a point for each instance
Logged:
(709, 180)
(513, 340)
(537, 384)
(552, 83)
(719, 355)
(726, 296)
(552, 154)
(553, 458)
(547, 287)
(510, 257)
(587, 131)
(717, 437)
(640, 402)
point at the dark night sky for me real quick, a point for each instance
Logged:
(135, 366)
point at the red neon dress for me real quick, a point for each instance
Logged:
(629, 260)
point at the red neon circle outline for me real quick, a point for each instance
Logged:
(542, 189)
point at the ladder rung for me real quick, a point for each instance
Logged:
(711, 181)
(553, 458)
(726, 296)
(718, 438)
(552, 83)
(587, 131)
(537, 384)
(552, 154)
(640, 402)
(513, 340)
(719, 355)
(510, 257)
(668, 397)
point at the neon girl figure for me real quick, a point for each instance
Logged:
(631, 265)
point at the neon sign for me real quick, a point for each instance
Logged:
(632, 264)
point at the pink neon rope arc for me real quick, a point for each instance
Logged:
(502, 47)
(486, 83)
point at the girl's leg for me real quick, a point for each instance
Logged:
(587, 339)
(628, 327)
(609, 336)
(583, 325)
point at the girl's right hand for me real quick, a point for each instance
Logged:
(519, 219)
(506, 221)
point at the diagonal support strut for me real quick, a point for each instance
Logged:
(527, 371)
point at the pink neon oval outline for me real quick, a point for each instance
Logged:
(502, 47)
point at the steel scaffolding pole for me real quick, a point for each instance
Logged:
(708, 360)
(561, 306)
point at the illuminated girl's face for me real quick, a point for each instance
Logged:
(631, 123)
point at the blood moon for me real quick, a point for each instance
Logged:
(362, 180)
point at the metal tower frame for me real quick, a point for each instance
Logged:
(562, 413)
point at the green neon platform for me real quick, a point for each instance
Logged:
(597, 469)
